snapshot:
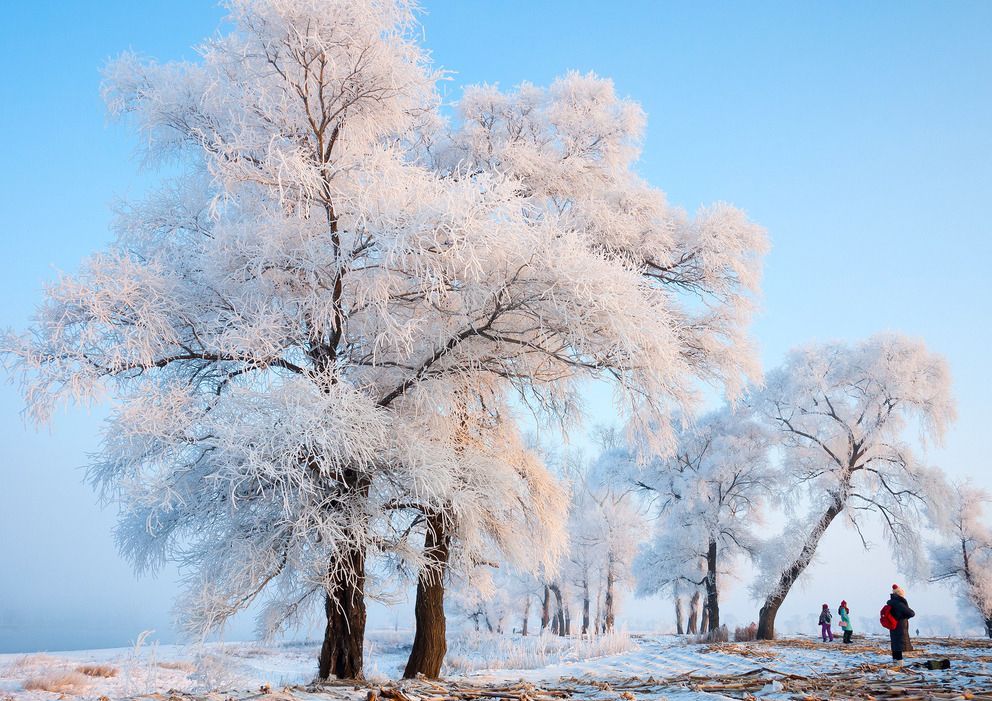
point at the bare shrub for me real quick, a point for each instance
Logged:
(98, 670)
(746, 634)
(59, 683)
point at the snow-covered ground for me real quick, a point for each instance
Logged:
(240, 668)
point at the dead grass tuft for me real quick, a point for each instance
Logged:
(28, 664)
(59, 683)
(746, 634)
(98, 670)
(178, 665)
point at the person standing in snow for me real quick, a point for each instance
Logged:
(825, 618)
(900, 610)
(845, 622)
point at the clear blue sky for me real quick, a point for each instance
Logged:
(859, 134)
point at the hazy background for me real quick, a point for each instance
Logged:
(859, 134)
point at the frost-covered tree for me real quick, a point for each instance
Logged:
(606, 527)
(288, 324)
(710, 497)
(679, 614)
(842, 414)
(572, 148)
(499, 503)
(963, 560)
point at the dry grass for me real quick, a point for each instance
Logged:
(29, 664)
(179, 666)
(98, 670)
(59, 683)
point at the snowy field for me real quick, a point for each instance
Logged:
(618, 667)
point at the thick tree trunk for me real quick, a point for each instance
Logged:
(988, 627)
(429, 641)
(692, 628)
(344, 634)
(679, 623)
(546, 608)
(704, 620)
(344, 605)
(712, 591)
(766, 616)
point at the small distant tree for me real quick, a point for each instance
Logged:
(841, 412)
(709, 498)
(607, 527)
(963, 560)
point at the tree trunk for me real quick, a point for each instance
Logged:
(766, 616)
(344, 605)
(599, 607)
(558, 621)
(679, 627)
(692, 628)
(344, 634)
(585, 606)
(523, 628)
(988, 627)
(712, 592)
(546, 608)
(610, 581)
(704, 620)
(429, 641)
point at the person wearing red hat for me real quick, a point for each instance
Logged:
(900, 610)
(845, 622)
(825, 624)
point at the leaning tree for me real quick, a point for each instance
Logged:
(709, 498)
(963, 558)
(842, 414)
(326, 263)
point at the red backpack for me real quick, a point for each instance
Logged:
(886, 618)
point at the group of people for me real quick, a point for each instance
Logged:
(826, 618)
(894, 617)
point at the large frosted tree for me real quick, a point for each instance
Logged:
(294, 323)
(843, 414)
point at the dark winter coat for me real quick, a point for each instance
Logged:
(825, 618)
(902, 613)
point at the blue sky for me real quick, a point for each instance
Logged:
(859, 134)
